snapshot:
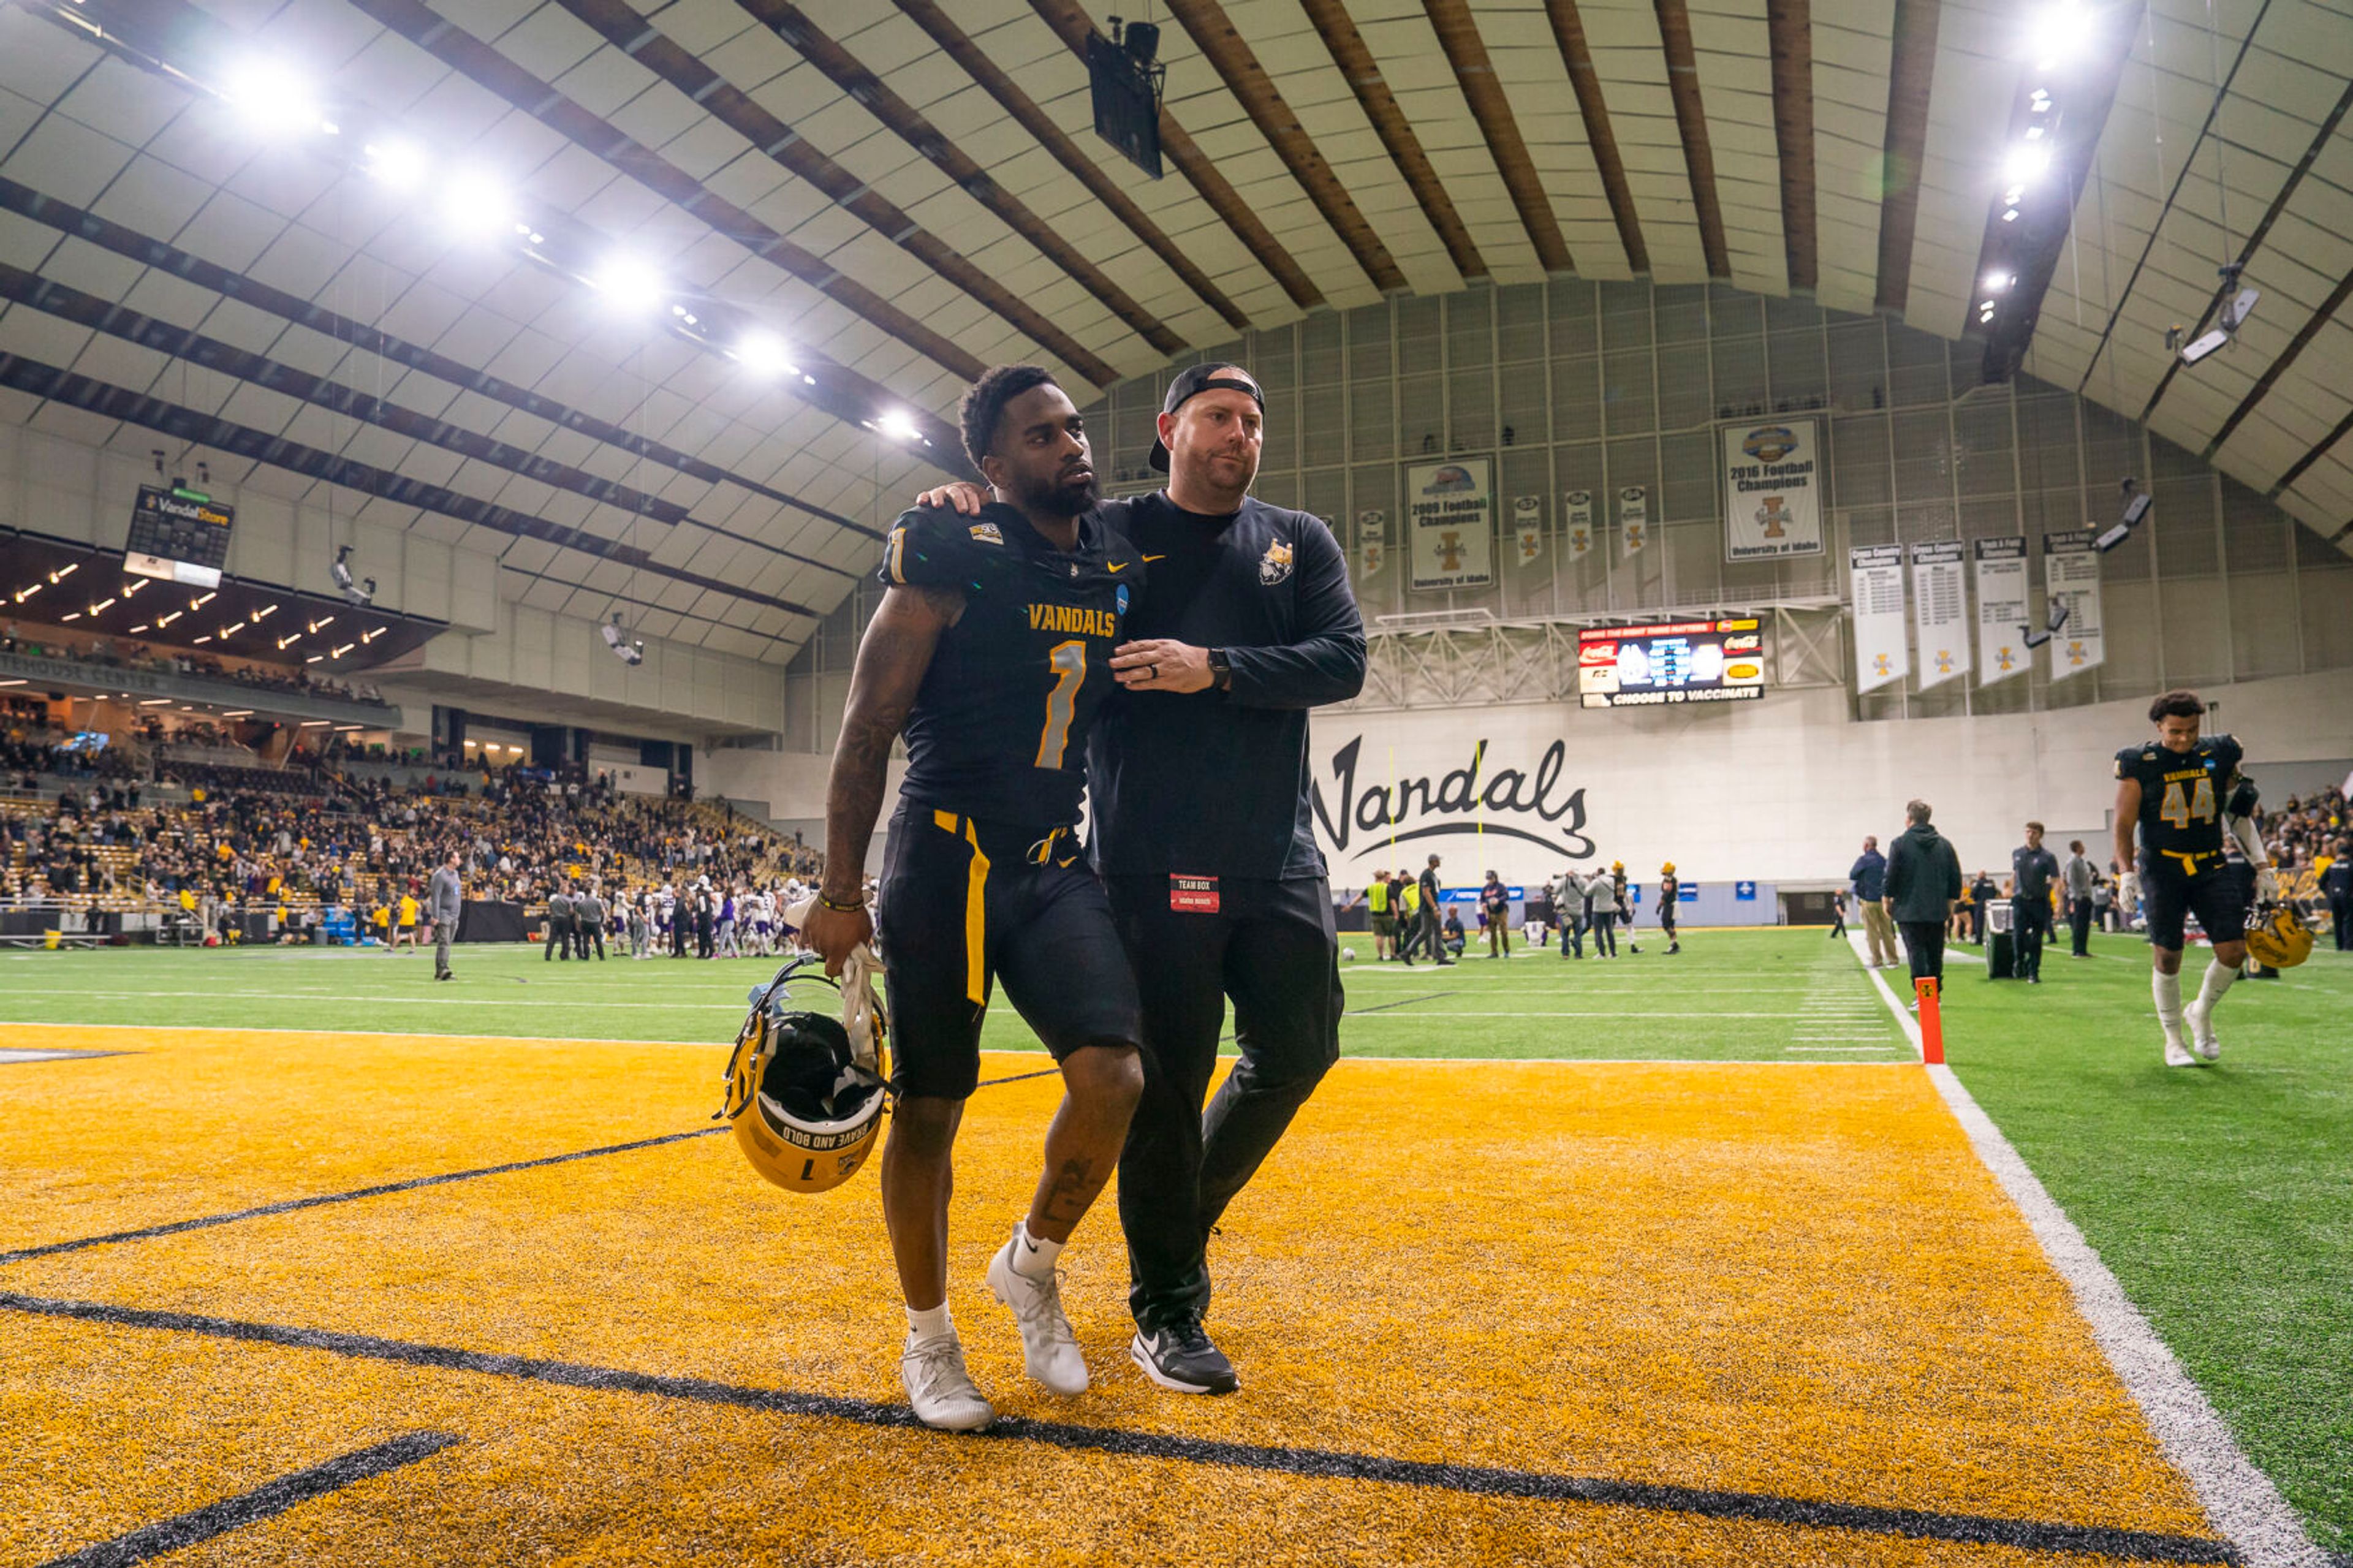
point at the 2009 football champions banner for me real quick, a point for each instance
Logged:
(1772, 490)
(1449, 512)
(2001, 607)
(1879, 655)
(1940, 610)
(2071, 576)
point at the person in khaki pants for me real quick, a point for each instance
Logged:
(1869, 877)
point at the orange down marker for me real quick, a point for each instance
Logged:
(1932, 1026)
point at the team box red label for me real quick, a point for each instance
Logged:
(1193, 895)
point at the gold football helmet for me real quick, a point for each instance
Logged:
(805, 1092)
(2279, 938)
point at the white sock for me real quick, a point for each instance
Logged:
(2167, 990)
(929, 1323)
(1032, 1256)
(2219, 978)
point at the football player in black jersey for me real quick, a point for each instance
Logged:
(992, 651)
(2175, 789)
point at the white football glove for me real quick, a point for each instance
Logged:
(2128, 888)
(2266, 885)
(862, 1005)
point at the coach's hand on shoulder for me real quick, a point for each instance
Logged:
(960, 495)
(836, 934)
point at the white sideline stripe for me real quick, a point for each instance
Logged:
(2238, 1497)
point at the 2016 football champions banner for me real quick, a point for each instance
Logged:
(1879, 655)
(1451, 524)
(1577, 524)
(2071, 576)
(2001, 607)
(1772, 490)
(1940, 610)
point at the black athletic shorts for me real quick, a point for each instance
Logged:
(2168, 896)
(964, 903)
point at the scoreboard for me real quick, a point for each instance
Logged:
(179, 535)
(1676, 662)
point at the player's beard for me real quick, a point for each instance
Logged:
(1062, 496)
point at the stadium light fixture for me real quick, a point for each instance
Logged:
(102, 606)
(204, 639)
(2059, 34)
(475, 205)
(65, 570)
(2024, 165)
(75, 617)
(263, 614)
(338, 653)
(764, 354)
(137, 629)
(272, 98)
(630, 284)
(167, 620)
(199, 603)
(897, 427)
(399, 166)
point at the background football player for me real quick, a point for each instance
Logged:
(992, 651)
(2177, 789)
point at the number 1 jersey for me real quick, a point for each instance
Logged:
(999, 727)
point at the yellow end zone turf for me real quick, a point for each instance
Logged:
(1781, 1283)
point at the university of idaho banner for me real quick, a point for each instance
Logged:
(1528, 527)
(1634, 516)
(1577, 525)
(1451, 524)
(1940, 610)
(1373, 540)
(1772, 490)
(2071, 576)
(2001, 607)
(1878, 571)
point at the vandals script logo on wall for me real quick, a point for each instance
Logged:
(1505, 801)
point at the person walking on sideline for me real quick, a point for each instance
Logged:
(1867, 878)
(443, 902)
(1924, 881)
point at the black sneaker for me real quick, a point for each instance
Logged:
(1179, 1356)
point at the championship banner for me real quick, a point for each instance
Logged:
(1373, 537)
(1940, 610)
(1450, 525)
(1577, 525)
(1878, 571)
(1634, 516)
(2001, 607)
(1772, 490)
(1527, 524)
(2071, 576)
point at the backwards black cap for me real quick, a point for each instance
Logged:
(1190, 385)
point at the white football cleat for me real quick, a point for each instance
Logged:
(2202, 1040)
(939, 1387)
(1048, 1349)
(2176, 1055)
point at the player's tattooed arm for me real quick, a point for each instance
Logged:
(893, 658)
(2127, 817)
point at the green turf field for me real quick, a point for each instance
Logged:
(2220, 1197)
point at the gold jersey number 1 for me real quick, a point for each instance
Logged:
(1068, 662)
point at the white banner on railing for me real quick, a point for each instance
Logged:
(1878, 573)
(1577, 525)
(1528, 527)
(2001, 607)
(2071, 576)
(1940, 610)
(1634, 516)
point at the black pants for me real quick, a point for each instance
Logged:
(2079, 924)
(1433, 934)
(1924, 944)
(559, 940)
(679, 924)
(1976, 924)
(1605, 935)
(2341, 911)
(2029, 928)
(590, 930)
(702, 929)
(1269, 946)
(1838, 923)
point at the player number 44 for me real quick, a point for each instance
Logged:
(1068, 662)
(2183, 806)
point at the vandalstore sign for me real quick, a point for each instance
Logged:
(1484, 796)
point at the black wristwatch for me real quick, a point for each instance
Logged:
(1221, 668)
